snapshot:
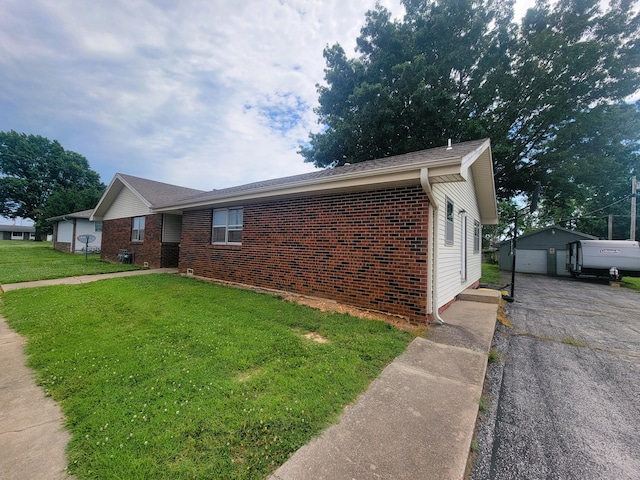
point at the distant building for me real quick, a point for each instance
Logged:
(17, 232)
(67, 228)
(543, 251)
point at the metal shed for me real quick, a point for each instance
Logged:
(543, 251)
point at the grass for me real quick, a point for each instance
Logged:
(491, 274)
(633, 283)
(572, 341)
(165, 377)
(483, 405)
(29, 261)
(494, 356)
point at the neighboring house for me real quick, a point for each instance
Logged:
(543, 251)
(129, 221)
(67, 228)
(401, 235)
(17, 232)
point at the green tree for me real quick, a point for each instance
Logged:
(415, 84)
(40, 179)
(590, 163)
(464, 70)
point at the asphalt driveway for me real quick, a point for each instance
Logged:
(565, 400)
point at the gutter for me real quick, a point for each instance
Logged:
(433, 233)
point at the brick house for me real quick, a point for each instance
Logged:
(129, 222)
(401, 235)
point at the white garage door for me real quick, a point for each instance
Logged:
(531, 261)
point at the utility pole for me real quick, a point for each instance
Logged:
(610, 225)
(633, 207)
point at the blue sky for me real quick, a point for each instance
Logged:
(204, 94)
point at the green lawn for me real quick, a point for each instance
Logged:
(28, 261)
(491, 274)
(630, 282)
(162, 376)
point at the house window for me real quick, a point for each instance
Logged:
(16, 236)
(227, 226)
(97, 226)
(476, 236)
(448, 236)
(137, 229)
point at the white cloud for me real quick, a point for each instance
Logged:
(205, 94)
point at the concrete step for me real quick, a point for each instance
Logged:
(482, 295)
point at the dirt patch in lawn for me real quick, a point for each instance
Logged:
(326, 305)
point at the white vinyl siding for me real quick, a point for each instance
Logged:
(85, 227)
(126, 204)
(171, 228)
(65, 231)
(449, 274)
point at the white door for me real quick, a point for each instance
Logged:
(561, 263)
(531, 261)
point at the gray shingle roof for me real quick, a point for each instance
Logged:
(158, 193)
(81, 214)
(17, 228)
(431, 155)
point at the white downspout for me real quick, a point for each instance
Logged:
(433, 242)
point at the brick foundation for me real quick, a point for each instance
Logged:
(365, 249)
(62, 246)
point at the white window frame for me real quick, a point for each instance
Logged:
(448, 222)
(97, 226)
(17, 236)
(228, 227)
(477, 234)
(137, 229)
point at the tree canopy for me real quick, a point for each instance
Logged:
(549, 91)
(39, 179)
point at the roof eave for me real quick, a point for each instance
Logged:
(383, 177)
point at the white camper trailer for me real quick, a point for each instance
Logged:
(604, 258)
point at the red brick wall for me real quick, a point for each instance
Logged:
(365, 249)
(62, 246)
(116, 235)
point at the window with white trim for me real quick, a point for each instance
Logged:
(227, 226)
(17, 236)
(137, 229)
(448, 233)
(97, 226)
(476, 236)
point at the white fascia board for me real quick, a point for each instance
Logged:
(390, 176)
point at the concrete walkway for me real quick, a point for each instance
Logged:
(82, 279)
(33, 440)
(416, 420)
(32, 437)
